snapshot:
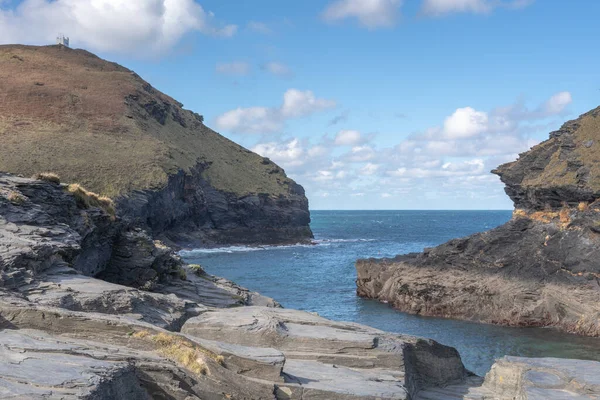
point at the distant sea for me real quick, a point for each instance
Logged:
(320, 278)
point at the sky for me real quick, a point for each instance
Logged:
(369, 104)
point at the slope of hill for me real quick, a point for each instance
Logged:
(99, 124)
(542, 268)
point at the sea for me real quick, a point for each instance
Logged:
(321, 278)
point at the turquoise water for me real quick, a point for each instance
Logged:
(321, 277)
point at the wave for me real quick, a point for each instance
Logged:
(244, 249)
(321, 241)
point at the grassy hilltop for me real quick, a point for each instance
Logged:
(99, 124)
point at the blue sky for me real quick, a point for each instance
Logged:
(369, 104)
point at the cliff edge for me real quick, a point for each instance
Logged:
(542, 268)
(99, 124)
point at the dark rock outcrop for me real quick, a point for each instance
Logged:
(542, 268)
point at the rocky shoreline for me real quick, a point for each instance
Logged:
(115, 314)
(542, 268)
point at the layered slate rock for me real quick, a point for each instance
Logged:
(99, 124)
(333, 360)
(542, 268)
(527, 378)
(66, 332)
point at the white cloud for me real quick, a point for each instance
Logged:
(135, 26)
(369, 169)
(443, 7)
(233, 68)
(370, 13)
(288, 154)
(465, 122)
(452, 160)
(279, 69)
(259, 27)
(360, 154)
(348, 138)
(250, 120)
(296, 104)
(557, 103)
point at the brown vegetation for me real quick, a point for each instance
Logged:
(181, 351)
(47, 177)
(87, 199)
(16, 198)
(99, 124)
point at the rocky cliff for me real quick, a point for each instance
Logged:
(99, 124)
(542, 268)
(91, 308)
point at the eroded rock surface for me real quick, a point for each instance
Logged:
(344, 360)
(528, 379)
(66, 332)
(542, 268)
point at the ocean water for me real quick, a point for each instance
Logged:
(321, 278)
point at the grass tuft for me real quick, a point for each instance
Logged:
(87, 199)
(182, 352)
(16, 198)
(197, 269)
(47, 177)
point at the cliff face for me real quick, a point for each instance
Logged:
(99, 124)
(542, 268)
(91, 308)
(562, 171)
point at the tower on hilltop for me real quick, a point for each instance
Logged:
(62, 40)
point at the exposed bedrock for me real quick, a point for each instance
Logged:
(190, 212)
(66, 332)
(542, 268)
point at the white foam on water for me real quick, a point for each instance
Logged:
(244, 249)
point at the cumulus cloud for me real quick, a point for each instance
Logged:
(465, 122)
(278, 69)
(348, 138)
(370, 13)
(233, 68)
(557, 103)
(369, 169)
(290, 154)
(134, 26)
(296, 104)
(444, 7)
(452, 159)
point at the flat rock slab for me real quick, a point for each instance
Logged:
(544, 378)
(318, 380)
(332, 360)
(65, 288)
(526, 379)
(33, 366)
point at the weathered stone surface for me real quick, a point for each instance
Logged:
(542, 268)
(213, 291)
(527, 379)
(327, 359)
